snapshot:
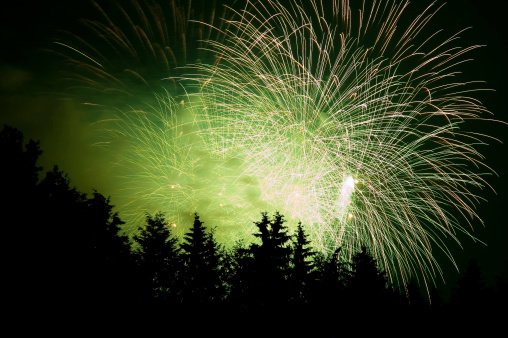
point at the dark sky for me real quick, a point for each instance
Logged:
(26, 73)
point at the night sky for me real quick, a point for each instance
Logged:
(29, 102)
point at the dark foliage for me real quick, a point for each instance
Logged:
(270, 262)
(158, 261)
(63, 250)
(302, 266)
(65, 258)
(202, 257)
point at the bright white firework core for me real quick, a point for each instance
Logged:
(343, 202)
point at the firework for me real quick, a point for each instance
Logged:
(165, 164)
(352, 125)
(129, 51)
(343, 118)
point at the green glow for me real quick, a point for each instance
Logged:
(352, 125)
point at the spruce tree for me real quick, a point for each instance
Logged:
(367, 285)
(302, 266)
(158, 260)
(331, 277)
(272, 261)
(241, 277)
(62, 209)
(110, 261)
(201, 257)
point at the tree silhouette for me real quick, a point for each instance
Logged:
(220, 264)
(158, 260)
(84, 261)
(110, 263)
(65, 256)
(19, 175)
(302, 266)
(22, 229)
(66, 267)
(331, 277)
(272, 260)
(367, 287)
(105, 238)
(241, 277)
(19, 169)
(201, 257)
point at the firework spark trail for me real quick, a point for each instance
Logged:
(309, 106)
(166, 166)
(133, 50)
(335, 116)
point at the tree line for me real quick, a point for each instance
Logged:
(65, 255)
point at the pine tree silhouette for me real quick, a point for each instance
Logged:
(241, 278)
(302, 266)
(201, 256)
(110, 263)
(272, 261)
(23, 231)
(368, 293)
(158, 260)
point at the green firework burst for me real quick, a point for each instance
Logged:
(347, 119)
